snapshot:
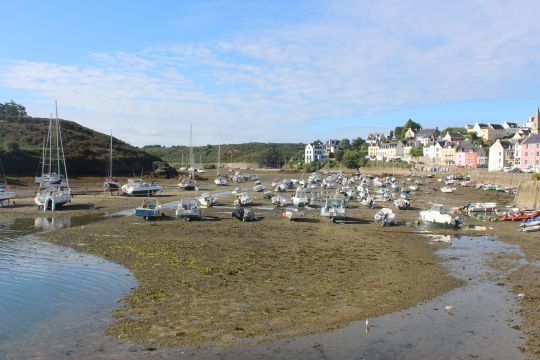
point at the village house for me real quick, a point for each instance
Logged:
(470, 156)
(432, 151)
(407, 150)
(490, 132)
(469, 128)
(330, 147)
(501, 154)
(314, 152)
(453, 137)
(390, 150)
(530, 153)
(521, 134)
(448, 153)
(510, 127)
(375, 138)
(425, 136)
(372, 150)
(410, 134)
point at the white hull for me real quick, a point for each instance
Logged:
(141, 190)
(7, 194)
(189, 210)
(221, 181)
(51, 199)
(293, 214)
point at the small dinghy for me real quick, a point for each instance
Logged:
(244, 214)
(480, 207)
(385, 216)
(279, 200)
(438, 215)
(532, 224)
(447, 189)
(243, 199)
(293, 214)
(149, 209)
(207, 200)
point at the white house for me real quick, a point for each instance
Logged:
(510, 127)
(375, 138)
(410, 134)
(391, 150)
(314, 152)
(501, 154)
(425, 136)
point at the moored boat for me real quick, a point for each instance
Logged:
(439, 215)
(334, 209)
(149, 209)
(188, 209)
(139, 187)
(293, 214)
(385, 216)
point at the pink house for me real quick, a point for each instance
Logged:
(530, 152)
(470, 156)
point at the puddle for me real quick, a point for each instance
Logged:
(52, 294)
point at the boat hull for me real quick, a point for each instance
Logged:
(52, 200)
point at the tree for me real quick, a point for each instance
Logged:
(410, 124)
(12, 109)
(357, 143)
(397, 132)
(351, 159)
(338, 155)
(344, 144)
(417, 151)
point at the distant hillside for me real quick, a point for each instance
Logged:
(87, 151)
(264, 154)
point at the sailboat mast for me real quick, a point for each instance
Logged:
(218, 158)
(49, 137)
(57, 142)
(61, 145)
(43, 160)
(190, 151)
(110, 159)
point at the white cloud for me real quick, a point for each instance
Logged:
(355, 58)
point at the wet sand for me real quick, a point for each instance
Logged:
(228, 283)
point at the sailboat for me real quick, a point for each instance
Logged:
(110, 183)
(220, 180)
(189, 183)
(6, 192)
(53, 192)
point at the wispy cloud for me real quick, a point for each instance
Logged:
(352, 59)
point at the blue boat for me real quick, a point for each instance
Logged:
(150, 209)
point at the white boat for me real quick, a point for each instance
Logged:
(244, 214)
(220, 180)
(149, 209)
(189, 209)
(52, 196)
(530, 223)
(402, 204)
(414, 187)
(447, 189)
(530, 228)
(279, 200)
(6, 191)
(110, 184)
(207, 200)
(480, 207)
(259, 188)
(300, 198)
(334, 209)
(385, 216)
(293, 214)
(139, 187)
(439, 215)
(243, 199)
(189, 183)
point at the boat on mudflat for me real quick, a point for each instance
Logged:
(438, 215)
(149, 209)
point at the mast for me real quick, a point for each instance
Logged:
(49, 143)
(190, 151)
(61, 147)
(57, 141)
(43, 154)
(110, 160)
(218, 158)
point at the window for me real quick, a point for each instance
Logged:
(526, 153)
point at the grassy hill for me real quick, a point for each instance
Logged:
(264, 154)
(86, 150)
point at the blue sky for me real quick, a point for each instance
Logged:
(271, 71)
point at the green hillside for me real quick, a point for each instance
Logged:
(264, 154)
(87, 151)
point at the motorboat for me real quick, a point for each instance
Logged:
(385, 216)
(439, 215)
(402, 204)
(334, 209)
(243, 199)
(188, 184)
(300, 198)
(447, 189)
(259, 188)
(279, 200)
(52, 193)
(244, 214)
(220, 180)
(149, 209)
(518, 215)
(414, 187)
(207, 200)
(6, 191)
(188, 209)
(368, 201)
(293, 214)
(480, 207)
(139, 187)
(531, 222)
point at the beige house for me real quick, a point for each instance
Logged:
(372, 150)
(448, 153)
(391, 150)
(489, 132)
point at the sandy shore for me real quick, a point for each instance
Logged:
(228, 282)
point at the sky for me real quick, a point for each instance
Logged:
(270, 71)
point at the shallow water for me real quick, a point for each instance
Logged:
(50, 294)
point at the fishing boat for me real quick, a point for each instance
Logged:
(149, 209)
(534, 221)
(53, 194)
(293, 214)
(440, 216)
(300, 198)
(385, 216)
(220, 180)
(518, 215)
(334, 209)
(139, 187)
(243, 199)
(6, 191)
(244, 214)
(189, 209)
(279, 200)
(110, 184)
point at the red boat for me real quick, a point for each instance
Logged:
(519, 215)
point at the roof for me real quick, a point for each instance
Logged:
(426, 133)
(496, 126)
(512, 124)
(482, 126)
(469, 126)
(506, 144)
(531, 139)
(455, 134)
(389, 145)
